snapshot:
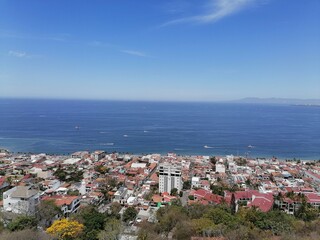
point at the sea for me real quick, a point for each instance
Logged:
(185, 128)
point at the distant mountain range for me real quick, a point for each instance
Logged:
(290, 101)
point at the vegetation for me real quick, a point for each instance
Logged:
(69, 174)
(92, 220)
(65, 229)
(47, 210)
(180, 222)
(101, 169)
(129, 214)
(27, 234)
(174, 192)
(223, 221)
(23, 222)
(111, 230)
(187, 185)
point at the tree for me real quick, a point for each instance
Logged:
(71, 174)
(47, 210)
(73, 192)
(101, 169)
(23, 222)
(129, 214)
(112, 182)
(92, 220)
(65, 229)
(111, 230)
(201, 225)
(233, 204)
(213, 160)
(174, 192)
(29, 234)
(306, 212)
(186, 185)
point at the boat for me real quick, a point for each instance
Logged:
(206, 146)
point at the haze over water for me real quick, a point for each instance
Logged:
(62, 127)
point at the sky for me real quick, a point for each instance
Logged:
(174, 50)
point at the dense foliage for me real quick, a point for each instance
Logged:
(65, 229)
(222, 221)
(69, 174)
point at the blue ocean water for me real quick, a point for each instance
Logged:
(66, 126)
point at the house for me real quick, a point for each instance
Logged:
(121, 195)
(97, 155)
(3, 183)
(21, 200)
(264, 202)
(67, 204)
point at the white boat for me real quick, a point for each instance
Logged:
(206, 146)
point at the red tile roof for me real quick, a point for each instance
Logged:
(61, 200)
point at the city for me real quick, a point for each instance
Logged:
(145, 184)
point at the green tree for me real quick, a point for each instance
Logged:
(23, 222)
(186, 185)
(92, 220)
(202, 225)
(306, 212)
(129, 214)
(47, 210)
(174, 192)
(115, 209)
(233, 204)
(111, 230)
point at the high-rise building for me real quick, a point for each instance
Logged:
(169, 177)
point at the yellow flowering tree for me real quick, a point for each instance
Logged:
(65, 229)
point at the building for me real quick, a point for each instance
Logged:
(21, 200)
(67, 204)
(98, 155)
(122, 195)
(169, 177)
(220, 168)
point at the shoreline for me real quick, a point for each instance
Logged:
(279, 158)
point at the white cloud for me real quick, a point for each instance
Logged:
(22, 54)
(135, 53)
(18, 54)
(217, 9)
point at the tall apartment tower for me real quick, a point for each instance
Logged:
(169, 177)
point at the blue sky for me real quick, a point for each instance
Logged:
(200, 50)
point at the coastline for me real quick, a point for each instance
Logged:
(163, 153)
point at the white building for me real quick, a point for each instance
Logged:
(220, 168)
(67, 204)
(98, 155)
(121, 196)
(21, 200)
(169, 177)
(195, 181)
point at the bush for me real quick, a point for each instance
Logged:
(23, 222)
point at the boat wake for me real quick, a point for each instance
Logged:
(206, 146)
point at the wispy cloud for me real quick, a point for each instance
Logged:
(135, 53)
(58, 37)
(17, 54)
(21, 54)
(216, 10)
(118, 48)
